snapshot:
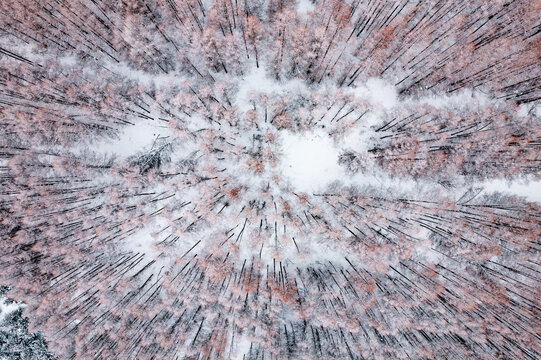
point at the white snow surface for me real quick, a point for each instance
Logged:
(530, 189)
(133, 138)
(257, 80)
(310, 160)
(242, 348)
(380, 94)
(304, 7)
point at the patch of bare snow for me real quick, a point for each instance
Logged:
(257, 80)
(380, 94)
(465, 98)
(241, 349)
(531, 190)
(310, 160)
(305, 6)
(133, 138)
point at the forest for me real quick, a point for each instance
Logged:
(148, 209)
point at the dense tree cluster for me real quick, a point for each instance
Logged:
(430, 143)
(196, 246)
(15, 341)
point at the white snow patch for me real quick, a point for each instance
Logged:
(144, 77)
(143, 239)
(242, 348)
(133, 139)
(531, 190)
(310, 160)
(305, 6)
(380, 93)
(69, 60)
(384, 96)
(257, 80)
(141, 242)
(529, 109)
(466, 98)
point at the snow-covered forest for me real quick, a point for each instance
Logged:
(270, 179)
